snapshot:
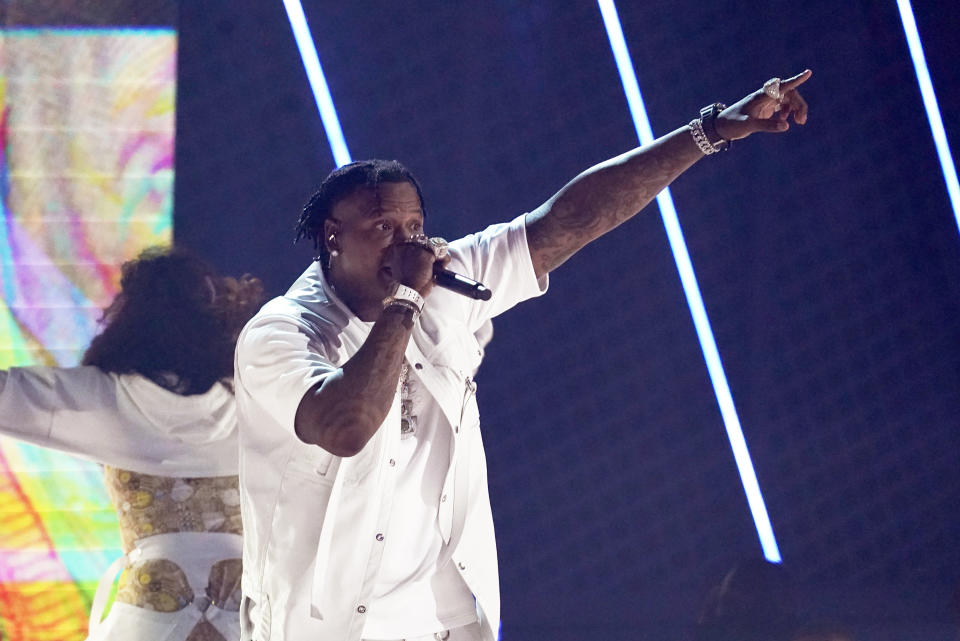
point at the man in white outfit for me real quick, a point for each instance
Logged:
(363, 477)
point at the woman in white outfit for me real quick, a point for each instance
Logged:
(153, 403)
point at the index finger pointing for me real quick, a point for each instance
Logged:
(796, 81)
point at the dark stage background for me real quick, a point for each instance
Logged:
(828, 258)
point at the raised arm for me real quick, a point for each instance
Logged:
(613, 191)
(76, 410)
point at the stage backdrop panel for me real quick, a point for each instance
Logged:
(86, 176)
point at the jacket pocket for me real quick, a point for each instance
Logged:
(313, 463)
(247, 613)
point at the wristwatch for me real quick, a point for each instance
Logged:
(405, 297)
(708, 116)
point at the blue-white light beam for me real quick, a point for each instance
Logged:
(930, 104)
(692, 292)
(318, 83)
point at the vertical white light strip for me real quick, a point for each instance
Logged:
(318, 83)
(930, 103)
(692, 291)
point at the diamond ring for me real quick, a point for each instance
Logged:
(439, 247)
(772, 89)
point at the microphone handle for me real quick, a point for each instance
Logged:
(461, 284)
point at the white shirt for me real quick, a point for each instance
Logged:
(315, 524)
(121, 420)
(418, 589)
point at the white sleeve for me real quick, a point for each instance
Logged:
(279, 358)
(98, 416)
(31, 398)
(498, 257)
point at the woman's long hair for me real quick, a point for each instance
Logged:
(174, 321)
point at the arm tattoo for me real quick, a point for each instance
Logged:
(605, 196)
(345, 413)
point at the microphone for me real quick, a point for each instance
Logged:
(452, 280)
(460, 284)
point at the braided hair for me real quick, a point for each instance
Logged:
(338, 185)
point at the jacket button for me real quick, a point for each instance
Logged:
(361, 609)
(392, 462)
(418, 365)
(379, 536)
(461, 566)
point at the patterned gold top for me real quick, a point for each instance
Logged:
(148, 505)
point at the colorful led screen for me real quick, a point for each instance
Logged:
(86, 182)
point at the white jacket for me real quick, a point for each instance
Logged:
(311, 554)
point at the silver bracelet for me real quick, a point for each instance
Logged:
(699, 137)
(399, 302)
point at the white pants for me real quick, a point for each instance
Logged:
(129, 623)
(466, 633)
(194, 553)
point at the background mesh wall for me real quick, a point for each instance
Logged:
(828, 259)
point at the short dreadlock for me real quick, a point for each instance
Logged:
(338, 185)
